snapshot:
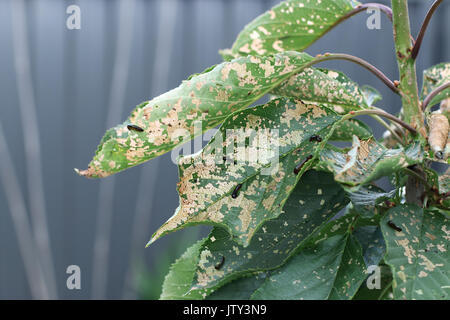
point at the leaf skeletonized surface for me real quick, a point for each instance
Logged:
(418, 252)
(290, 25)
(168, 121)
(240, 190)
(306, 210)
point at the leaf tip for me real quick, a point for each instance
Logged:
(153, 239)
(90, 172)
(81, 173)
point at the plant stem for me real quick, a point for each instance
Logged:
(425, 23)
(412, 111)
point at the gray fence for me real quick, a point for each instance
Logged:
(59, 91)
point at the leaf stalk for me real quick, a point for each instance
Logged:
(359, 61)
(423, 29)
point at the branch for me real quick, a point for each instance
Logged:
(359, 61)
(415, 50)
(433, 94)
(387, 10)
(382, 114)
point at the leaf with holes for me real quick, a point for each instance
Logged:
(324, 86)
(368, 160)
(290, 25)
(444, 183)
(417, 243)
(433, 78)
(345, 130)
(198, 104)
(306, 210)
(239, 187)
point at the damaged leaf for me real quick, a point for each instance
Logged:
(290, 25)
(326, 87)
(345, 130)
(418, 254)
(245, 174)
(332, 269)
(433, 78)
(178, 281)
(370, 196)
(306, 210)
(368, 160)
(197, 105)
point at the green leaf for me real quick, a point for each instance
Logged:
(291, 25)
(195, 106)
(178, 281)
(332, 269)
(351, 271)
(325, 87)
(315, 200)
(433, 78)
(345, 131)
(240, 289)
(368, 160)
(241, 189)
(372, 243)
(383, 293)
(418, 253)
(338, 226)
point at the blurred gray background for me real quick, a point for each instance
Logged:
(59, 91)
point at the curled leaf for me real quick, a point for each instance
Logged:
(439, 131)
(367, 161)
(433, 78)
